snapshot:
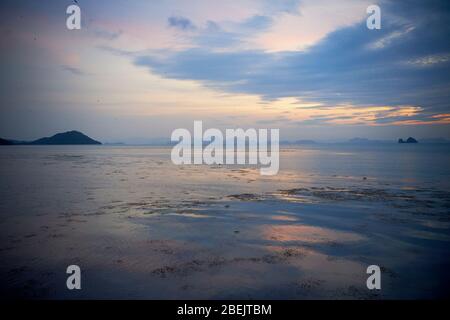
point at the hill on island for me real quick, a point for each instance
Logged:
(4, 142)
(409, 140)
(65, 138)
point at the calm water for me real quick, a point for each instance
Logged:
(141, 227)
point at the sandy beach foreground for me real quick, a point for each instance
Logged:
(140, 227)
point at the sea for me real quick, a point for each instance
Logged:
(140, 227)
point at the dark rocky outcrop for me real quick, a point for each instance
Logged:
(409, 140)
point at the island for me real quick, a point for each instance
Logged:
(409, 140)
(66, 138)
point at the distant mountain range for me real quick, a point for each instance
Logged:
(297, 142)
(65, 138)
(78, 138)
(367, 141)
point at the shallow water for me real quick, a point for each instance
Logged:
(141, 227)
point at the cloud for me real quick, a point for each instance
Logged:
(257, 22)
(430, 60)
(181, 23)
(213, 36)
(117, 51)
(388, 39)
(74, 70)
(358, 115)
(107, 35)
(311, 22)
(341, 68)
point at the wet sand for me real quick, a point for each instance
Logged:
(140, 227)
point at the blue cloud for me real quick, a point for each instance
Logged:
(257, 23)
(344, 67)
(181, 23)
(213, 36)
(289, 6)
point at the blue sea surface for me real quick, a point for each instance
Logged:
(141, 227)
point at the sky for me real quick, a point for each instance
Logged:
(137, 70)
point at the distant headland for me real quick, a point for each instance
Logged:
(65, 138)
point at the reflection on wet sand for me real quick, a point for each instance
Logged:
(142, 228)
(281, 217)
(307, 234)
